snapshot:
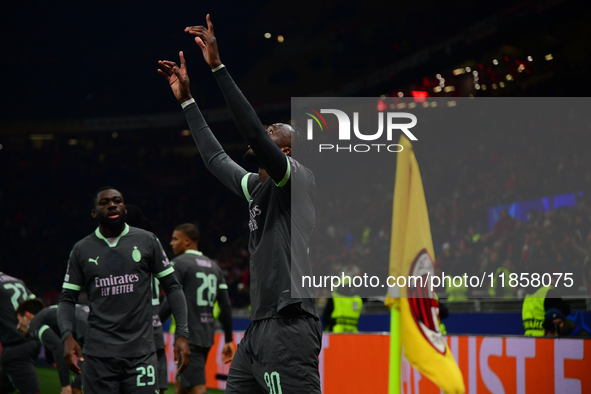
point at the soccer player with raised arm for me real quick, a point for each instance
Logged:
(40, 323)
(279, 351)
(115, 264)
(18, 357)
(203, 284)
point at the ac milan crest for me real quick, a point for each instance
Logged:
(424, 305)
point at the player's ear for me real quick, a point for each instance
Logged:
(286, 150)
(93, 213)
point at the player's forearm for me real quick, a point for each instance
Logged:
(62, 368)
(53, 343)
(165, 311)
(215, 158)
(248, 122)
(225, 314)
(250, 126)
(208, 145)
(177, 302)
(226, 320)
(66, 312)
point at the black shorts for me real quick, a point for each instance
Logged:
(162, 369)
(194, 375)
(133, 375)
(18, 367)
(278, 356)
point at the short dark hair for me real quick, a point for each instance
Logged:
(32, 306)
(95, 197)
(190, 230)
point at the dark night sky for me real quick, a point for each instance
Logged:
(83, 59)
(73, 60)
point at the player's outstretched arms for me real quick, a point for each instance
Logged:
(271, 157)
(215, 158)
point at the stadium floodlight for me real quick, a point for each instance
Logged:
(419, 95)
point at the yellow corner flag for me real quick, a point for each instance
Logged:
(415, 307)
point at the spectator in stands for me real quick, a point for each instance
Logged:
(556, 325)
(504, 225)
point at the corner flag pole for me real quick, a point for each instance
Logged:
(394, 385)
(411, 239)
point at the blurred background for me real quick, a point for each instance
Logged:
(82, 106)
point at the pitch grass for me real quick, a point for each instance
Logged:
(50, 384)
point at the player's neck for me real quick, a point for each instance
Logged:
(111, 233)
(263, 175)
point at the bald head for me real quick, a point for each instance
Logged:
(280, 133)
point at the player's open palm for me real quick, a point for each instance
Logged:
(177, 77)
(205, 38)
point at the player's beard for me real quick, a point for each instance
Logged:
(252, 157)
(113, 224)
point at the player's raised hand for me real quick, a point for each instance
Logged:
(228, 352)
(72, 347)
(178, 78)
(181, 348)
(207, 42)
